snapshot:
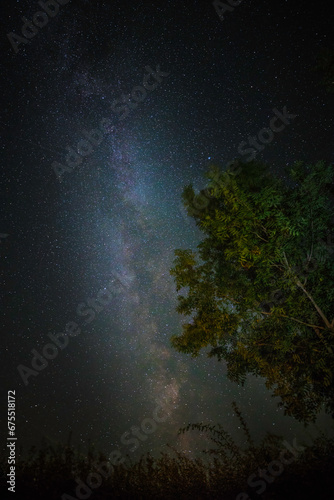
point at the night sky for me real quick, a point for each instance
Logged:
(116, 218)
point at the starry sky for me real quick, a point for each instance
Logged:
(117, 216)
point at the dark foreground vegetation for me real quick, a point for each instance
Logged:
(225, 472)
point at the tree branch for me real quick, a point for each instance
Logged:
(309, 296)
(295, 319)
(316, 328)
(267, 241)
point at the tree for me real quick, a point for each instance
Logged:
(259, 292)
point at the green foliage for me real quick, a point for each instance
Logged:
(262, 240)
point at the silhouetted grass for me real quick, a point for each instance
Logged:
(50, 472)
